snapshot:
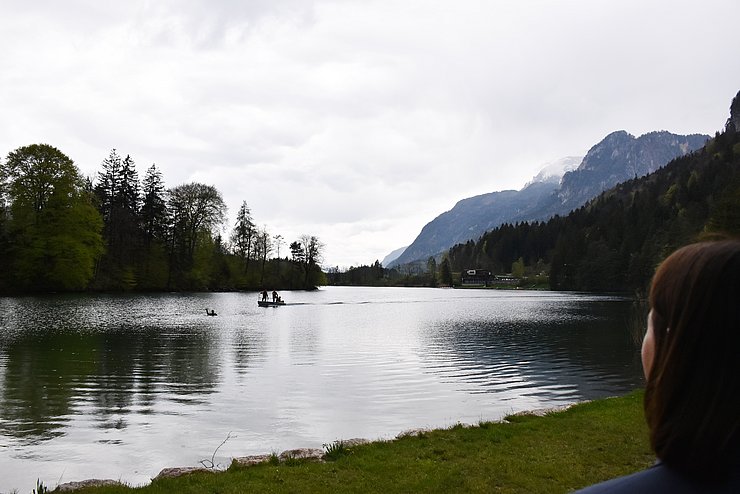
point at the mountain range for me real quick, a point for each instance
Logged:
(559, 188)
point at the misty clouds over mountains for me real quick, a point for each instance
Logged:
(618, 157)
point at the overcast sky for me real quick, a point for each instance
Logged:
(357, 121)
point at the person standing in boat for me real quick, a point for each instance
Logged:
(274, 296)
(264, 295)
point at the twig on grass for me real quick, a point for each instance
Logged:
(211, 463)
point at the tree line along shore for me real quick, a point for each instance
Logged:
(60, 232)
(610, 244)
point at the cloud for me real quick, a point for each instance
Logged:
(357, 121)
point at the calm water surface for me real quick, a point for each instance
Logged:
(121, 386)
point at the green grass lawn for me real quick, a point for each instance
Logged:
(559, 452)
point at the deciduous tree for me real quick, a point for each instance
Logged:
(56, 231)
(263, 247)
(196, 212)
(313, 251)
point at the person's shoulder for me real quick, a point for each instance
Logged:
(659, 479)
(644, 481)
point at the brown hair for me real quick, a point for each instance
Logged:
(692, 396)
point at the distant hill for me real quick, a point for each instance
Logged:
(472, 217)
(618, 157)
(392, 256)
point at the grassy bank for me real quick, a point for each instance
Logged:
(555, 453)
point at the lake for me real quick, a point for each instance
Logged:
(121, 386)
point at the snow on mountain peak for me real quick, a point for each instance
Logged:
(553, 171)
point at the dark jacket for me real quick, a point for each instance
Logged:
(660, 479)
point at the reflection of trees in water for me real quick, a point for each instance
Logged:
(38, 383)
(48, 378)
(582, 352)
(248, 350)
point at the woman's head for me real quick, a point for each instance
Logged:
(691, 356)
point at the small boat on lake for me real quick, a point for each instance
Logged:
(268, 303)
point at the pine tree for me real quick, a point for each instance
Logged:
(243, 235)
(128, 189)
(153, 218)
(107, 185)
(445, 273)
(153, 213)
(118, 195)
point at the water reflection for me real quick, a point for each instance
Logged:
(49, 377)
(570, 354)
(89, 382)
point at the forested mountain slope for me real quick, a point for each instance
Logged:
(615, 241)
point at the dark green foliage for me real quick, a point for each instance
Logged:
(118, 196)
(307, 253)
(51, 231)
(40, 488)
(196, 210)
(445, 273)
(417, 274)
(5, 240)
(432, 270)
(725, 214)
(372, 275)
(243, 237)
(336, 450)
(153, 220)
(153, 213)
(60, 232)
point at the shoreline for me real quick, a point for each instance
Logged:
(541, 450)
(304, 453)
